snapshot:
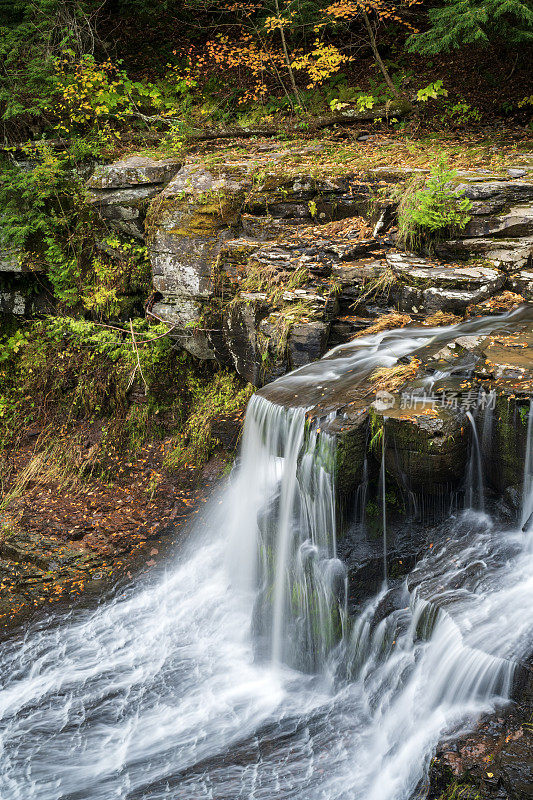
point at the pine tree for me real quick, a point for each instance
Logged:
(463, 22)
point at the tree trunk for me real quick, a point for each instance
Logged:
(375, 51)
(287, 59)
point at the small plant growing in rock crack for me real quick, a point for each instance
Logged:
(429, 212)
(376, 435)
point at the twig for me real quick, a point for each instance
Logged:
(138, 359)
(140, 341)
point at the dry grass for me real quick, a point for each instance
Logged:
(385, 323)
(351, 227)
(441, 318)
(271, 281)
(60, 462)
(381, 285)
(390, 379)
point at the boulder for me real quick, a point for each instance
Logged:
(517, 222)
(122, 190)
(496, 191)
(508, 255)
(10, 260)
(240, 328)
(186, 227)
(185, 314)
(522, 283)
(125, 209)
(134, 171)
(14, 302)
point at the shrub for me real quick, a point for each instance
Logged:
(222, 394)
(429, 213)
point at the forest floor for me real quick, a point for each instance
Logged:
(57, 541)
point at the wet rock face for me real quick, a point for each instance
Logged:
(493, 762)
(425, 425)
(426, 452)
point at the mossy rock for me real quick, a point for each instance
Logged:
(506, 448)
(426, 451)
(186, 227)
(351, 436)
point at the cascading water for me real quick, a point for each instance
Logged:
(527, 492)
(383, 493)
(361, 496)
(475, 494)
(196, 685)
(300, 609)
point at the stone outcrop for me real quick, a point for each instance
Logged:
(226, 238)
(19, 295)
(186, 228)
(121, 191)
(424, 286)
(265, 267)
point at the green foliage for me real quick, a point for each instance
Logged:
(66, 369)
(465, 22)
(61, 371)
(431, 92)
(460, 113)
(222, 394)
(90, 94)
(432, 211)
(44, 214)
(32, 35)
(377, 434)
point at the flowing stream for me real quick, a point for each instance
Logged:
(239, 673)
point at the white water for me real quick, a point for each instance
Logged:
(475, 490)
(159, 693)
(527, 492)
(383, 485)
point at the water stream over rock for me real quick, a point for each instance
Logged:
(246, 671)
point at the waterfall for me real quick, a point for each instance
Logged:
(301, 607)
(236, 672)
(361, 497)
(383, 488)
(475, 493)
(488, 425)
(527, 491)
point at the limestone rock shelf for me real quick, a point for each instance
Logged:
(423, 421)
(265, 267)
